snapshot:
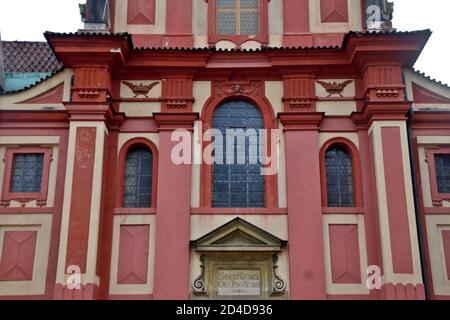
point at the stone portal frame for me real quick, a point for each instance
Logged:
(239, 246)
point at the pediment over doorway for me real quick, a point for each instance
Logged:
(239, 235)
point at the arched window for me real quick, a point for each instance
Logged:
(138, 178)
(339, 177)
(238, 184)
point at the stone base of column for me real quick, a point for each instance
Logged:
(88, 291)
(399, 291)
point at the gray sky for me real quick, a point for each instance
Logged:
(28, 19)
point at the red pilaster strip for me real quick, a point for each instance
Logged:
(306, 253)
(80, 207)
(396, 200)
(172, 213)
(446, 244)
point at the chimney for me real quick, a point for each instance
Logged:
(95, 15)
(2, 69)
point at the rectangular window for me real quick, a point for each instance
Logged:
(442, 167)
(438, 161)
(237, 17)
(27, 173)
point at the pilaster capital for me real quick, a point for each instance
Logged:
(296, 121)
(172, 121)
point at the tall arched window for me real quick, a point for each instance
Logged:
(339, 177)
(138, 178)
(238, 184)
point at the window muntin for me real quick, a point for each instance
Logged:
(26, 176)
(442, 167)
(237, 17)
(238, 185)
(339, 178)
(138, 178)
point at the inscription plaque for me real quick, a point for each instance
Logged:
(239, 282)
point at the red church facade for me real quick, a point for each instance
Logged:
(94, 207)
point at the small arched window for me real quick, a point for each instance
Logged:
(138, 178)
(339, 177)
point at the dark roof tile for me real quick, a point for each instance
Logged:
(24, 56)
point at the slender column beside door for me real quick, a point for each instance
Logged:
(306, 250)
(171, 278)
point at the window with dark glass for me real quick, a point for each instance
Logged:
(442, 165)
(27, 173)
(339, 175)
(238, 185)
(237, 17)
(138, 178)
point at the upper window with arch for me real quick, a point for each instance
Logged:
(137, 181)
(237, 180)
(138, 178)
(340, 171)
(339, 176)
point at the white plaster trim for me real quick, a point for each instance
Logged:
(42, 223)
(121, 16)
(90, 275)
(324, 137)
(435, 225)
(351, 288)
(116, 288)
(354, 17)
(389, 274)
(12, 102)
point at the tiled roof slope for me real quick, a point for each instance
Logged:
(129, 38)
(24, 56)
(423, 75)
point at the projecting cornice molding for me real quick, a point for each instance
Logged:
(117, 49)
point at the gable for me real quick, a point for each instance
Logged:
(423, 95)
(241, 235)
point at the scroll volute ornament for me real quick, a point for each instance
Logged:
(250, 88)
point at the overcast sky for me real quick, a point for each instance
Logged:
(28, 19)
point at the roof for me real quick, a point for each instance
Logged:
(39, 56)
(24, 56)
(423, 75)
(129, 38)
(4, 93)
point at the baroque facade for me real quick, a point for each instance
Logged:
(93, 205)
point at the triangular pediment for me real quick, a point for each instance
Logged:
(238, 235)
(423, 95)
